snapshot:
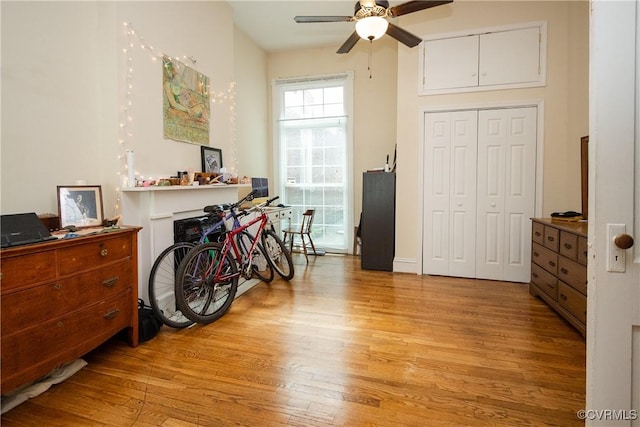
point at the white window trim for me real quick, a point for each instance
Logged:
(276, 107)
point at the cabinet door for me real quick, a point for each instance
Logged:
(509, 57)
(451, 63)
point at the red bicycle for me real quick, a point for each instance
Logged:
(207, 278)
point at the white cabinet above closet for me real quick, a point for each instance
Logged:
(488, 59)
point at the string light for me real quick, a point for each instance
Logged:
(126, 137)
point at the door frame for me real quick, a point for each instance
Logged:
(539, 104)
(613, 298)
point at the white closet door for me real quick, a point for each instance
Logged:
(506, 193)
(450, 193)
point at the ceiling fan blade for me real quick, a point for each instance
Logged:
(414, 6)
(403, 36)
(308, 19)
(350, 43)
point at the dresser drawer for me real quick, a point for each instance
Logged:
(537, 232)
(63, 338)
(41, 303)
(573, 301)
(569, 245)
(23, 271)
(77, 258)
(544, 258)
(551, 238)
(546, 281)
(573, 274)
(583, 250)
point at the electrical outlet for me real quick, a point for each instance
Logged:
(615, 255)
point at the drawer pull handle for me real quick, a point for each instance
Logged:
(110, 282)
(536, 254)
(563, 296)
(538, 234)
(104, 252)
(551, 238)
(111, 314)
(57, 286)
(59, 324)
(564, 270)
(535, 275)
(568, 246)
(552, 264)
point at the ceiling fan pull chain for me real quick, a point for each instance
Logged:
(370, 58)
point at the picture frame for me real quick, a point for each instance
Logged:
(80, 206)
(211, 159)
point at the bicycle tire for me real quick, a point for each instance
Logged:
(200, 296)
(260, 265)
(162, 280)
(278, 254)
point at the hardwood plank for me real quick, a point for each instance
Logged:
(338, 346)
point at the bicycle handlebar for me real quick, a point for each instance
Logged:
(211, 209)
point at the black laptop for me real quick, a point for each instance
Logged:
(23, 229)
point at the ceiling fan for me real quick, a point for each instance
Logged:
(371, 18)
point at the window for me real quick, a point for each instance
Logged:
(313, 154)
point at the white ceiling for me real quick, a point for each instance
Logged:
(270, 23)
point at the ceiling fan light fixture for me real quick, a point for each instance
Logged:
(372, 27)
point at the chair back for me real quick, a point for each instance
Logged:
(307, 220)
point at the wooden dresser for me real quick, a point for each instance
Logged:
(559, 268)
(62, 299)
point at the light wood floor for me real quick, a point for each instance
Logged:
(338, 346)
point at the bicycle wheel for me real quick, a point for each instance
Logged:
(162, 282)
(203, 293)
(278, 254)
(260, 266)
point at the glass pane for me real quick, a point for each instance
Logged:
(293, 98)
(313, 96)
(333, 110)
(334, 95)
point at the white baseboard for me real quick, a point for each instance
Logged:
(404, 265)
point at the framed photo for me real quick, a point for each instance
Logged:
(80, 205)
(211, 159)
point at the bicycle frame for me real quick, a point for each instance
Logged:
(230, 244)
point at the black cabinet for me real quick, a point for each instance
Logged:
(378, 223)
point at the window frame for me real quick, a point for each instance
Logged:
(279, 86)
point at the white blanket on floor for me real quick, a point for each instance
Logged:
(59, 374)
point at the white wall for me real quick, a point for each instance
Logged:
(374, 98)
(252, 123)
(565, 99)
(63, 79)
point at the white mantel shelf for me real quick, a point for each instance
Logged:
(183, 187)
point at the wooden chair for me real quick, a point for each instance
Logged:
(304, 231)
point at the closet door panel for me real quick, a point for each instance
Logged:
(520, 191)
(436, 193)
(462, 207)
(491, 187)
(449, 193)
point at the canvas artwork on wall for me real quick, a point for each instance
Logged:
(186, 104)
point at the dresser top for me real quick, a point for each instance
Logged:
(577, 227)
